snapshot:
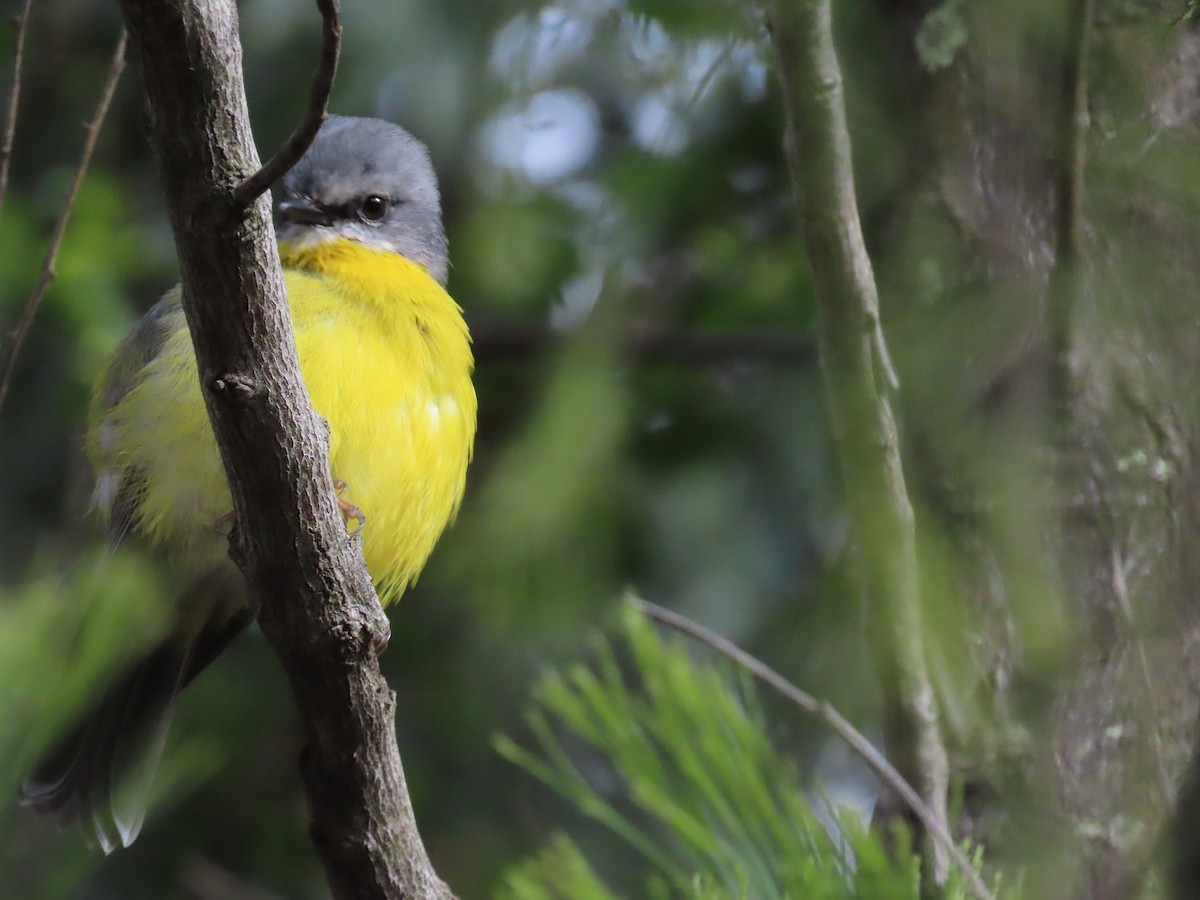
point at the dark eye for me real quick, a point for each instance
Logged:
(374, 207)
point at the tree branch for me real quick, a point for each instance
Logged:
(322, 85)
(652, 344)
(21, 331)
(1066, 280)
(9, 133)
(311, 592)
(818, 155)
(837, 723)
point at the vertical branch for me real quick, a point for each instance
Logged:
(1065, 277)
(115, 68)
(307, 580)
(818, 156)
(9, 132)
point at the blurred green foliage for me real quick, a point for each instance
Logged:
(942, 34)
(101, 611)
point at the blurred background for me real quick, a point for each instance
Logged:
(651, 412)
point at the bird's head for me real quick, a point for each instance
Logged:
(367, 181)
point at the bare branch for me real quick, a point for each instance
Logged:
(1066, 276)
(205, 880)
(308, 584)
(825, 711)
(9, 133)
(1074, 122)
(1154, 718)
(47, 273)
(318, 99)
(652, 344)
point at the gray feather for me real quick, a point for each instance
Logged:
(352, 158)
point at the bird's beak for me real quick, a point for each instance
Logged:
(304, 212)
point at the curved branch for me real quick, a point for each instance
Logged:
(318, 99)
(115, 68)
(9, 133)
(838, 724)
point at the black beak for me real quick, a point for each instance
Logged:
(305, 212)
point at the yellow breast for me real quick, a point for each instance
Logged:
(386, 357)
(387, 360)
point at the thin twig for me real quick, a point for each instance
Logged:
(837, 723)
(1075, 122)
(47, 274)
(883, 357)
(653, 344)
(318, 99)
(1120, 586)
(208, 881)
(20, 25)
(1066, 276)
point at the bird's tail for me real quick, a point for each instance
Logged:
(99, 773)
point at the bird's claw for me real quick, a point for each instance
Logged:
(347, 509)
(224, 524)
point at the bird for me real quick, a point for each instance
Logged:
(386, 357)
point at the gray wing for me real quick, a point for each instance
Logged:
(99, 772)
(118, 488)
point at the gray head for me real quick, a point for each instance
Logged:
(368, 181)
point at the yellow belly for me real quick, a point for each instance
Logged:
(385, 354)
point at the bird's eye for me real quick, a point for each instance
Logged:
(373, 207)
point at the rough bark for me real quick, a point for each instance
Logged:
(853, 360)
(313, 597)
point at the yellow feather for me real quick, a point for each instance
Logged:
(386, 357)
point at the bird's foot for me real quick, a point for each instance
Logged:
(224, 524)
(348, 510)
